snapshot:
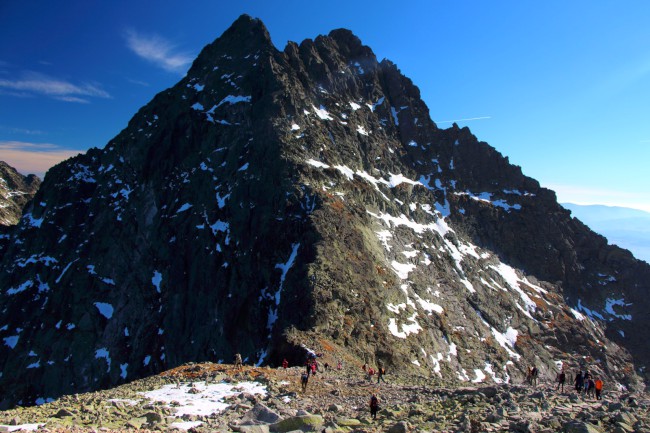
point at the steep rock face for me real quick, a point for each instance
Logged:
(15, 191)
(272, 199)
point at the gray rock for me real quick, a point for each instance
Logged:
(519, 426)
(348, 422)
(581, 427)
(260, 428)
(62, 413)
(614, 406)
(260, 414)
(335, 408)
(538, 395)
(304, 423)
(153, 417)
(625, 417)
(400, 427)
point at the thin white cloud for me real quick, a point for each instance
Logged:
(25, 131)
(73, 99)
(158, 51)
(33, 83)
(464, 120)
(604, 196)
(34, 158)
(138, 82)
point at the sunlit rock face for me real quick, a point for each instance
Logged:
(273, 199)
(15, 191)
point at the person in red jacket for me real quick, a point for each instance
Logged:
(598, 385)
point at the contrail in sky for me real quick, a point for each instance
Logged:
(463, 120)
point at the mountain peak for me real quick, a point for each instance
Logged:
(349, 44)
(248, 27)
(272, 202)
(245, 35)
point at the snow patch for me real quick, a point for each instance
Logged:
(156, 280)
(204, 399)
(105, 309)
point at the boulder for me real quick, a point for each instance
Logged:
(153, 417)
(348, 422)
(335, 408)
(63, 412)
(622, 427)
(625, 417)
(260, 414)
(400, 427)
(304, 423)
(581, 427)
(260, 428)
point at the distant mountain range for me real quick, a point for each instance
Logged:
(625, 227)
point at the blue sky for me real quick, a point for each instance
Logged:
(561, 88)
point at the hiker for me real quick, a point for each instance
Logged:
(561, 378)
(314, 367)
(371, 372)
(285, 363)
(579, 382)
(533, 373)
(374, 406)
(304, 378)
(591, 385)
(238, 362)
(598, 386)
(339, 366)
(380, 374)
(585, 381)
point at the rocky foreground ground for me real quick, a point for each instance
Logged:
(335, 401)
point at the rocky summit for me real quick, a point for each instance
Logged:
(15, 191)
(275, 200)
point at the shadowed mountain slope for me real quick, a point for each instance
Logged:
(278, 198)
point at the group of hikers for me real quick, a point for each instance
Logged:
(311, 368)
(584, 382)
(380, 372)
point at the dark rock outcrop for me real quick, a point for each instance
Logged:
(15, 191)
(273, 199)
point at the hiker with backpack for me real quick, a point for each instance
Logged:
(304, 378)
(561, 378)
(579, 382)
(598, 386)
(585, 381)
(238, 361)
(591, 387)
(374, 406)
(380, 374)
(532, 376)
